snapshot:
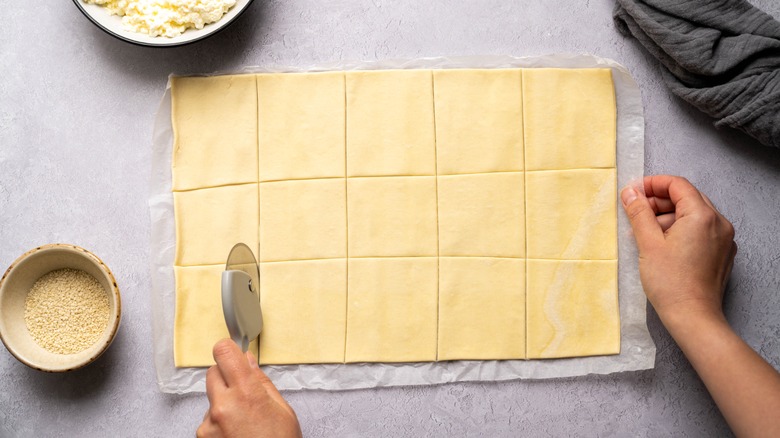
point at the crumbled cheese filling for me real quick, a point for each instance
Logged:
(167, 18)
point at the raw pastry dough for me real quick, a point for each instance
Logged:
(570, 118)
(482, 215)
(392, 216)
(210, 116)
(301, 125)
(304, 219)
(572, 308)
(391, 315)
(304, 308)
(210, 221)
(390, 123)
(481, 308)
(479, 121)
(571, 214)
(199, 322)
(393, 212)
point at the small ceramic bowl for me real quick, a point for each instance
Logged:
(112, 25)
(18, 280)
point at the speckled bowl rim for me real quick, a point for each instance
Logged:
(163, 43)
(114, 289)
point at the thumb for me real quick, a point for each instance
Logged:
(646, 228)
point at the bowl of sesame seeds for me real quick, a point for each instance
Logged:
(60, 308)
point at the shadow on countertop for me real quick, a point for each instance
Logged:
(222, 51)
(736, 141)
(80, 384)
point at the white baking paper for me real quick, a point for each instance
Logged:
(637, 351)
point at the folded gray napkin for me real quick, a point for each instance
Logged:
(721, 56)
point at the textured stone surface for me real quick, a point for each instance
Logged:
(76, 113)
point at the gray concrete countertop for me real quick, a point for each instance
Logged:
(76, 113)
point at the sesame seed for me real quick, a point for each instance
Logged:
(66, 311)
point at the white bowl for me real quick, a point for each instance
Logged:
(18, 280)
(112, 25)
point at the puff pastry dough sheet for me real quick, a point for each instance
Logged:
(304, 308)
(401, 215)
(390, 126)
(212, 115)
(300, 122)
(572, 308)
(199, 323)
(303, 219)
(482, 308)
(208, 220)
(482, 215)
(476, 121)
(572, 214)
(392, 216)
(570, 118)
(391, 313)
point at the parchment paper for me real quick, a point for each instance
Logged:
(637, 350)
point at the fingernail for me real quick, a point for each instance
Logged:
(251, 359)
(628, 195)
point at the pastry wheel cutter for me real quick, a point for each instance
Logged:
(241, 297)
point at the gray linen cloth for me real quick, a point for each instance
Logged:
(721, 56)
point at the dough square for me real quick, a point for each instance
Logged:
(201, 137)
(479, 120)
(391, 314)
(482, 215)
(481, 308)
(390, 127)
(301, 122)
(572, 308)
(571, 214)
(199, 321)
(392, 216)
(210, 221)
(304, 311)
(570, 118)
(303, 219)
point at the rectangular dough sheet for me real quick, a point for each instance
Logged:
(401, 215)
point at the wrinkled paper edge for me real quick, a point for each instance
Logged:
(637, 351)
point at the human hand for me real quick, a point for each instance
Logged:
(686, 247)
(686, 251)
(243, 400)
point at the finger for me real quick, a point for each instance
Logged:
(666, 220)
(230, 362)
(252, 361)
(214, 383)
(708, 202)
(661, 205)
(677, 189)
(712, 206)
(643, 221)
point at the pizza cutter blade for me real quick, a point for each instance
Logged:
(240, 296)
